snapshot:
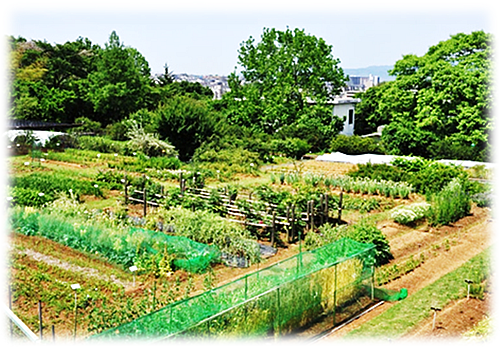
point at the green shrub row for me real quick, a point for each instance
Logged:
(425, 176)
(354, 145)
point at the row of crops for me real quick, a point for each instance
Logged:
(348, 184)
(121, 244)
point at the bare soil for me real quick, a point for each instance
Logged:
(456, 319)
(467, 238)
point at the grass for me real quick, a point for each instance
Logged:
(403, 316)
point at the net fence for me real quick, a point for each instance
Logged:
(13, 332)
(270, 302)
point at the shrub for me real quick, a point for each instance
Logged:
(102, 144)
(361, 232)
(290, 147)
(449, 205)
(408, 214)
(435, 176)
(356, 145)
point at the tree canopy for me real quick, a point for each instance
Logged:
(439, 104)
(287, 76)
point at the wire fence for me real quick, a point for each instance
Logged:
(270, 302)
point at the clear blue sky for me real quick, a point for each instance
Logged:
(199, 38)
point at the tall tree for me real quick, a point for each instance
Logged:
(121, 82)
(440, 103)
(287, 76)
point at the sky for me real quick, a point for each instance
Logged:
(201, 37)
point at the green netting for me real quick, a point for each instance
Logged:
(390, 295)
(120, 245)
(189, 255)
(274, 300)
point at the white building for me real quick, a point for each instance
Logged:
(343, 107)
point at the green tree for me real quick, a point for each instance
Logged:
(440, 103)
(186, 123)
(287, 76)
(369, 112)
(121, 82)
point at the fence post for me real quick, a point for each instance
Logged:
(180, 183)
(340, 203)
(308, 214)
(144, 201)
(40, 320)
(326, 208)
(373, 282)
(273, 228)
(53, 333)
(321, 209)
(278, 312)
(335, 298)
(289, 223)
(312, 215)
(10, 308)
(126, 191)
(293, 222)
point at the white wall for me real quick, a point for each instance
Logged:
(342, 110)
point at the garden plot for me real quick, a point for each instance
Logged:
(436, 236)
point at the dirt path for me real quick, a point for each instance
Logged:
(468, 242)
(74, 268)
(456, 319)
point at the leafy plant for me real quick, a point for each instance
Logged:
(408, 214)
(209, 228)
(449, 205)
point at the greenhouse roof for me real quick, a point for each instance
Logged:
(22, 124)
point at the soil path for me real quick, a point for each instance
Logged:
(452, 322)
(469, 241)
(71, 267)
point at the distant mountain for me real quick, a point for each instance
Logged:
(380, 70)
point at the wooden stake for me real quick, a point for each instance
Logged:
(340, 203)
(289, 223)
(273, 228)
(326, 208)
(40, 320)
(144, 200)
(321, 209)
(312, 215)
